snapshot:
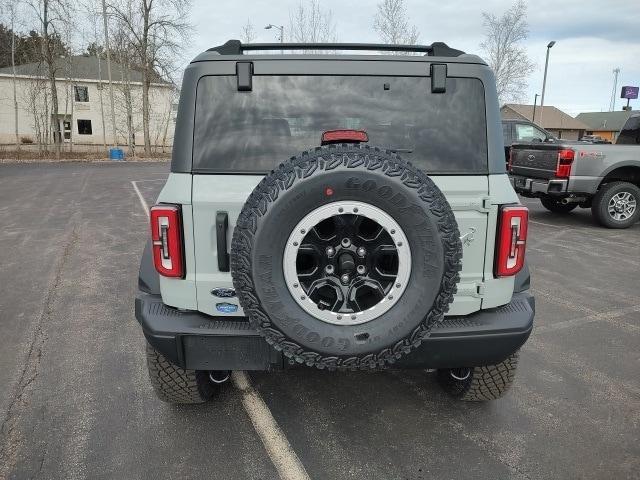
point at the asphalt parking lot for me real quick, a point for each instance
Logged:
(76, 402)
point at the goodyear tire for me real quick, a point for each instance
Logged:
(173, 384)
(344, 257)
(480, 384)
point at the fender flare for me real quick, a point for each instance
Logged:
(148, 278)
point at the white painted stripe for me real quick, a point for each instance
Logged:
(142, 200)
(545, 224)
(275, 442)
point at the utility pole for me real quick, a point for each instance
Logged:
(612, 102)
(535, 100)
(106, 45)
(544, 80)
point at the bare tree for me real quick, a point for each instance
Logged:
(35, 100)
(12, 9)
(156, 28)
(51, 15)
(391, 23)
(310, 23)
(504, 52)
(248, 32)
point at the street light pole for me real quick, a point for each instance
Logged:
(544, 80)
(281, 28)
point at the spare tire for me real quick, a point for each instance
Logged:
(345, 256)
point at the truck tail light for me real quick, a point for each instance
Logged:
(512, 239)
(565, 159)
(166, 238)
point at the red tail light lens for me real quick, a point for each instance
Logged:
(565, 159)
(166, 238)
(339, 136)
(512, 239)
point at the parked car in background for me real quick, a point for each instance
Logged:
(521, 131)
(565, 175)
(594, 139)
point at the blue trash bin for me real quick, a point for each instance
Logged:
(116, 154)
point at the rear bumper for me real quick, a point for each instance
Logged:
(535, 187)
(196, 341)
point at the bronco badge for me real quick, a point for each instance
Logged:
(222, 292)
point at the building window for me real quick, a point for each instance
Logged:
(81, 93)
(84, 127)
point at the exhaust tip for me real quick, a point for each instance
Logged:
(219, 376)
(460, 374)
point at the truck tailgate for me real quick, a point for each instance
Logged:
(534, 161)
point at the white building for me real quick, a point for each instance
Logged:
(84, 111)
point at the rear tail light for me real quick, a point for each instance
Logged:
(166, 238)
(512, 239)
(565, 159)
(344, 136)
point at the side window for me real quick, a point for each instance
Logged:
(81, 93)
(84, 127)
(506, 133)
(529, 133)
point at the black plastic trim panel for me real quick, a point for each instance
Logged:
(197, 341)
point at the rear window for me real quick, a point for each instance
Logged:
(252, 132)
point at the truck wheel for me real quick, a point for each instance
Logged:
(479, 384)
(616, 205)
(173, 384)
(556, 206)
(345, 256)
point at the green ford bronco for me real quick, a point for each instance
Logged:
(343, 211)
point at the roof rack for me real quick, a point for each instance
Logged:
(436, 49)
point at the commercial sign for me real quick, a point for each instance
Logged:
(629, 92)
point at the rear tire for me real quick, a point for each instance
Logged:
(555, 206)
(173, 384)
(606, 196)
(479, 384)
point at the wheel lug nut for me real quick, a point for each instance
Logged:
(346, 243)
(344, 278)
(330, 251)
(361, 251)
(329, 269)
(362, 269)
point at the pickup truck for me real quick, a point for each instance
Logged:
(565, 175)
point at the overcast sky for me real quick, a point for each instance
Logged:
(592, 37)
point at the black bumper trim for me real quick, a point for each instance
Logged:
(197, 341)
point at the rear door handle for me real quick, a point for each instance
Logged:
(222, 225)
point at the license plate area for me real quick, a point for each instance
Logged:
(212, 352)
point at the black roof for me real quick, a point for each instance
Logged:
(78, 67)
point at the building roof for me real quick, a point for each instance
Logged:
(552, 117)
(78, 67)
(605, 121)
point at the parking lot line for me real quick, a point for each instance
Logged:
(142, 200)
(611, 315)
(283, 457)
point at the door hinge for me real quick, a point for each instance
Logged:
(486, 204)
(480, 289)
